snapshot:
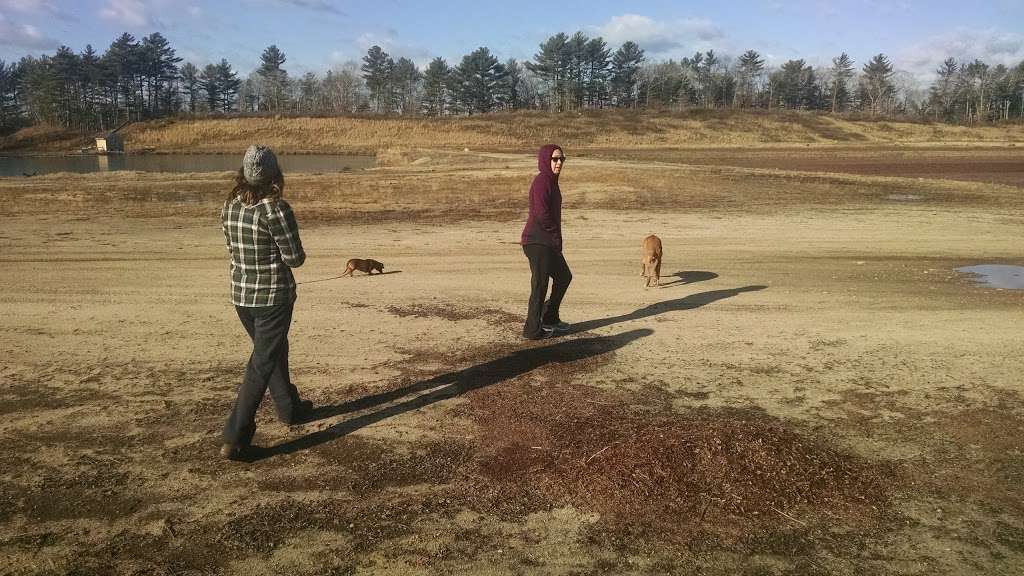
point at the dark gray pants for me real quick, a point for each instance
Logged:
(267, 326)
(545, 263)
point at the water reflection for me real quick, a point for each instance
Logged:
(997, 275)
(84, 164)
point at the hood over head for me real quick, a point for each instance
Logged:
(544, 159)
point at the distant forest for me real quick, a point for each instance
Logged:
(141, 80)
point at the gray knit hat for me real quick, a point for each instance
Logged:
(259, 165)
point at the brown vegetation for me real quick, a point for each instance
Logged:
(527, 130)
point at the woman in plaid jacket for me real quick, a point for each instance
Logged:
(263, 239)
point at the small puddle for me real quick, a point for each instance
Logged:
(997, 275)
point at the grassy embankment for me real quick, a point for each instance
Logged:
(515, 132)
(433, 188)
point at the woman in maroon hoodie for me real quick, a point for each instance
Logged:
(542, 244)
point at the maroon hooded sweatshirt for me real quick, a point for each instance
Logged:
(544, 224)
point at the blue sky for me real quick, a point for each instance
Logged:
(319, 34)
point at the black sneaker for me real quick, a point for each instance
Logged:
(302, 413)
(545, 333)
(559, 326)
(234, 452)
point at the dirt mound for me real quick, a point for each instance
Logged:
(668, 471)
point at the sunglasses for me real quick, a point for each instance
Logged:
(558, 159)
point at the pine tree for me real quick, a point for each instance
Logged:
(40, 87)
(91, 78)
(551, 65)
(435, 87)
(624, 73)
(479, 77)
(228, 85)
(943, 92)
(748, 69)
(405, 78)
(513, 88)
(842, 71)
(190, 84)
(796, 85)
(274, 78)
(122, 62)
(978, 81)
(376, 70)
(876, 83)
(576, 67)
(598, 64)
(209, 82)
(309, 87)
(249, 93)
(65, 66)
(707, 80)
(9, 117)
(159, 66)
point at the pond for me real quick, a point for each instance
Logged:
(300, 163)
(997, 275)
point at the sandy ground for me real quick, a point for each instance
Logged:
(446, 444)
(999, 164)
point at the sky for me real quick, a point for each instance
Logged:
(317, 35)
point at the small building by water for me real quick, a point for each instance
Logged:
(110, 142)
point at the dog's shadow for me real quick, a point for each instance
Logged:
(686, 303)
(688, 277)
(343, 276)
(377, 274)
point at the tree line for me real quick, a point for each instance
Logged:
(145, 79)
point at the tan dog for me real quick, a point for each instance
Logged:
(366, 266)
(651, 262)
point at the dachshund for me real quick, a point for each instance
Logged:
(365, 266)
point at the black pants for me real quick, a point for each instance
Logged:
(545, 263)
(267, 326)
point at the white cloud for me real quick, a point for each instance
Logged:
(315, 5)
(36, 7)
(389, 43)
(990, 46)
(29, 6)
(661, 38)
(195, 11)
(339, 57)
(24, 36)
(128, 12)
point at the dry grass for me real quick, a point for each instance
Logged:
(491, 187)
(525, 130)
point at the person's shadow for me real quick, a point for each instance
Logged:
(686, 303)
(689, 277)
(447, 386)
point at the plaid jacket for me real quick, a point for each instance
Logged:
(263, 240)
